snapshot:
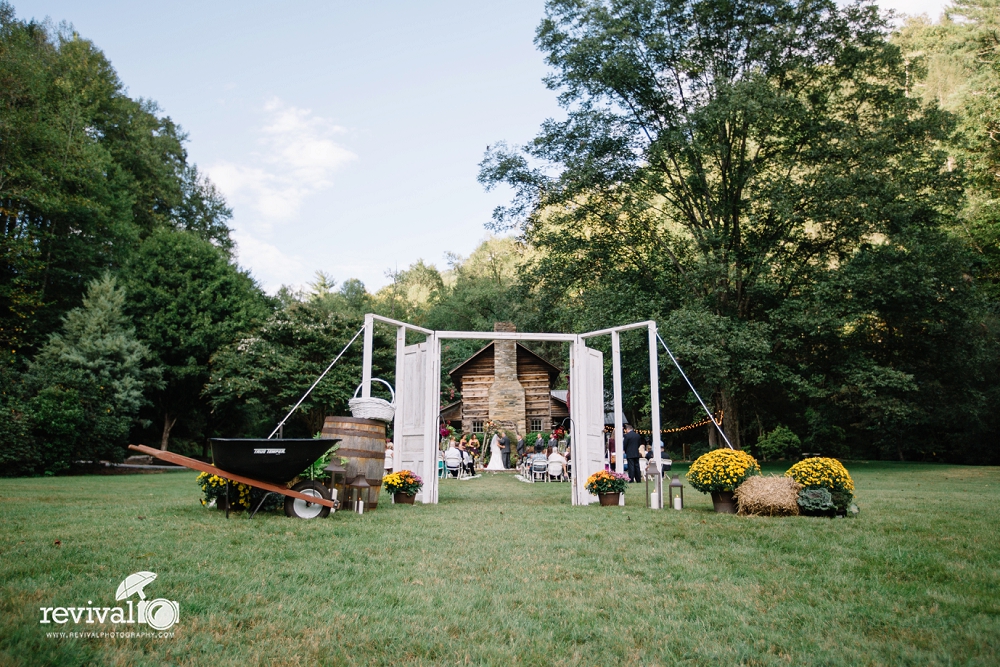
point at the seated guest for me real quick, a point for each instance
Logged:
(556, 457)
(453, 458)
(540, 456)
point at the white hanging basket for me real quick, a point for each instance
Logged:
(372, 407)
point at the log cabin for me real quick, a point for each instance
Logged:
(506, 383)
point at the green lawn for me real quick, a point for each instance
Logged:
(503, 572)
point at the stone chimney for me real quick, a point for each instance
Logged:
(506, 393)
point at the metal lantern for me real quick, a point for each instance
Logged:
(653, 498)
(676, 491)
(356, 491)
(338, 488)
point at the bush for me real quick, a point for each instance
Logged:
(781, 443)
(721, 470)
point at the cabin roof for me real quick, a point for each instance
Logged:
(458, 371)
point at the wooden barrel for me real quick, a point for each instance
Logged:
(363, 445)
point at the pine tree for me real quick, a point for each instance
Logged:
(88, 381)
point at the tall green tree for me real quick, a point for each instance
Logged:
(720, 156)
(88, 382)
(188, 301)
(955, 62)
(85, 173)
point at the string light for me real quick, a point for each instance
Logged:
(703, 422)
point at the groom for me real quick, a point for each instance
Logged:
(505, 450)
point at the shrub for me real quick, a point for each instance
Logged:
(721, 470)
(605, 481)
(781, 443)
(768, 496)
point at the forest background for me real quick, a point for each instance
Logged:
(804, 198)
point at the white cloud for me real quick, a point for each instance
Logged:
(296, 158)
(269, 264)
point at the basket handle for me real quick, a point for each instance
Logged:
(391, 391)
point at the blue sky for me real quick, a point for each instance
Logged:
(345, 135)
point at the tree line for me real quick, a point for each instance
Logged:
(802, 197)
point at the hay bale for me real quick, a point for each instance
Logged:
(768, 496)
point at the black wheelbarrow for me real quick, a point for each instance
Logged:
(267, 465)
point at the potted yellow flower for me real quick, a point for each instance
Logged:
(719, 472)
(403, 485)
(607, 486)
(820, 472)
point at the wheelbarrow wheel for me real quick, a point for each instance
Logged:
(301, 509)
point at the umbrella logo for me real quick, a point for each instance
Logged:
(159, 614)
(133, 584)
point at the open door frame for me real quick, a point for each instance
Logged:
(580, 407)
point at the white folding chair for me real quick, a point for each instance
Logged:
(539, 471)
(454, 465)
(556, 471)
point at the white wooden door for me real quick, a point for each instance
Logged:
(411, 409)
(587, 411)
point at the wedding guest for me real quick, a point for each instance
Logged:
(539, 455)
(555, 456)
(453, 453)
(388, 457)
(505, 449)
(630, 443)
(474, 448)
(467, 461)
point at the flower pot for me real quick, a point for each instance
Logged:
(220, 503)
(724, 502)
(403, 498)
(609, 499)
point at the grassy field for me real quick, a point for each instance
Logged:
(503, 572)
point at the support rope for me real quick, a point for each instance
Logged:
(707, 412)
(323, 375)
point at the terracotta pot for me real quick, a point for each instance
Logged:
(608, 499)
(724, 502)
(404, 498)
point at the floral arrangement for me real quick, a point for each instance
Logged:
(605, 481)
(213, 487)
(559, 433)
(403, 481)
(446, 431)
(241, 496)
(721, 470)
(824, 473)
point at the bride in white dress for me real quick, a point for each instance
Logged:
(496, 457)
